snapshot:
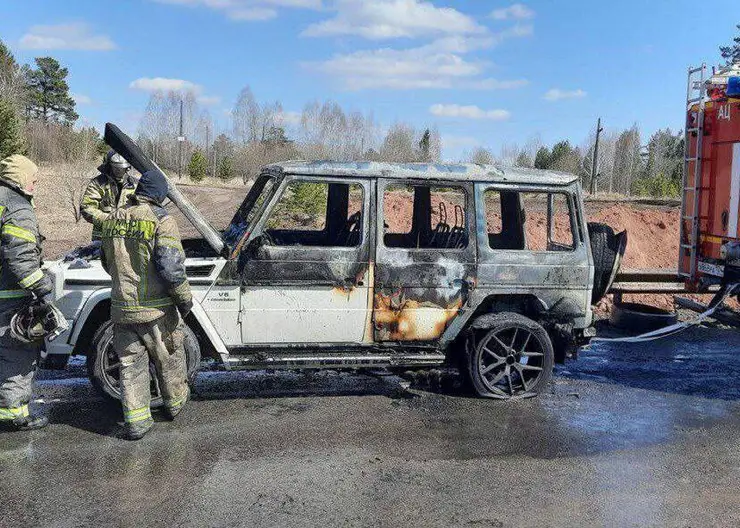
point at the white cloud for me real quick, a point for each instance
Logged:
(399, 69)
(208, 100)
(253, 14)
(164, 84)
(468, 112)
(439, 65)
(247, 10)
(73, 36)
(387, 19)
(495, 84)
(156, 84)
(81, 99)
(514, 11)
(518, 30)
(557, 95)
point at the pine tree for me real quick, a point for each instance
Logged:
(49, 97)
(11, 137)
(543, 158)
(226, 168)
(425, 146)
(731, 53)
(8, 66)
(198, 166)
(12, 83)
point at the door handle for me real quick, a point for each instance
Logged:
(351, 282)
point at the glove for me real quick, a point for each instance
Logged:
(43, 289)
(184, 308)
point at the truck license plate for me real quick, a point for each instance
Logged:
(711, 269)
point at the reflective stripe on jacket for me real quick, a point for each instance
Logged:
(143, 254)
(102, 196)
(20, 250)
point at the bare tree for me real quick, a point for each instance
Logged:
(399, 144)
(246, 117)
(509, 154)
(79, 168)
(482, 156)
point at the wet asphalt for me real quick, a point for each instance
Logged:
(627, 435)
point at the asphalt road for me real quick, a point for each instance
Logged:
(628, 435)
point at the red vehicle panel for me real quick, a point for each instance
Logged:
(719, 196)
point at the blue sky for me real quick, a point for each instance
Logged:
(485, 72)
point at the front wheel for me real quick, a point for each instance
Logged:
(103, 367)
(512, 357)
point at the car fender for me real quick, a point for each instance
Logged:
(103, 294)
(210, 331)
(91, 303)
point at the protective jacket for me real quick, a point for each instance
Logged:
(20, 248)
(102, 196)
(143, 254)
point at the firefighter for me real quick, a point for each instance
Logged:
(108, 191)
(150, 296)
(22, 282)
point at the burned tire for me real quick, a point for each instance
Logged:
(512, 357)
(639, 318)
(607, 249)
(103, 364)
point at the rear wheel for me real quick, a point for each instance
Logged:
(103, 367)
(511, 358)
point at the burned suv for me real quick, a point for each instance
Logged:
(358, 265)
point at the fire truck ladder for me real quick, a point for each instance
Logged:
(692, 167)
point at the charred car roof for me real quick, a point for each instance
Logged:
(423, 171)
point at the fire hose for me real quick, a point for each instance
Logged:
(714, 305)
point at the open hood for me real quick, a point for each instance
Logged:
(127, 148)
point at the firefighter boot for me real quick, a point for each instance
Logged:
(25, 423)
(29, 423)
(173, 409)
(137, 430)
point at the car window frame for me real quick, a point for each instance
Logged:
(573, 214)
(288, 179)
(392, 182)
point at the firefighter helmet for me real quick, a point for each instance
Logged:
(118, 167)
(113, 158)
(36, 321)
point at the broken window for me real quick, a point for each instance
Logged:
(424, 217)
(260, 191)
(504, 220)
(311, 213)
(535, 221)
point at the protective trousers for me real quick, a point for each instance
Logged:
(17, 370)
(162, 342)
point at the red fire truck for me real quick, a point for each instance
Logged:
(709, 251)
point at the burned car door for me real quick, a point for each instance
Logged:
(425, 258)
(531, 241)
(305, 274)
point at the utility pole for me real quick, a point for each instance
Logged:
(595, 166)
(180, 141)
(208, 143)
